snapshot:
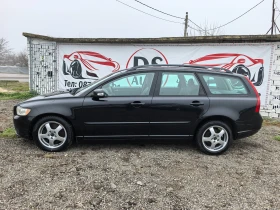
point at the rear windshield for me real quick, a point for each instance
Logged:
(219, 85)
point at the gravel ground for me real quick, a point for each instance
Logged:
(140, 175)
(6, 111)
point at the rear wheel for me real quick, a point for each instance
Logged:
(53, 133)
(214, 137)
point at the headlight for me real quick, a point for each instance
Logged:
(22, 111)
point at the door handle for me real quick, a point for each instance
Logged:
(137, 104)
(196, 103)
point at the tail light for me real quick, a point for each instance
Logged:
(258, 105)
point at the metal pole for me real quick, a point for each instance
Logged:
(186, 25)
(273, 11)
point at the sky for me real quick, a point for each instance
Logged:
(111, 19)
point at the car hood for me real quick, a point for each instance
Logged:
(54, 95)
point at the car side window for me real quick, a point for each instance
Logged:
(219, 85)
(179, 84)
(131, 85)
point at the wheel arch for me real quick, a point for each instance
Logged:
(222, 118)
(37, 118)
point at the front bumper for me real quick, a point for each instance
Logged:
(22, 126)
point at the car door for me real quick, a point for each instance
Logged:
(177, 105)
(125, 111)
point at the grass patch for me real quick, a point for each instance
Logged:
(277, 138)
(9, 133)
(18, 90)
(271, 122)
(17, 95)
(15, 86)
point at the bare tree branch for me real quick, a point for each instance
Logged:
(205, 30)
(8, 58)
(22, 58)
(4, 50)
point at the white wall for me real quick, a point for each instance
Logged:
(272, 108)
(42, 65)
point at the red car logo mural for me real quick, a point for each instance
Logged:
(87, 65)
(237, 63)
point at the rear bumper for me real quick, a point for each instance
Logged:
(248, 128)
(244, 134)
(22, 126)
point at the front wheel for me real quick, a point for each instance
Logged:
(53, 133)
(214, 137)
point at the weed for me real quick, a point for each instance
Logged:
(277, 138)
(271, 122)
(9, 133)
(15, 86)
(17, 95)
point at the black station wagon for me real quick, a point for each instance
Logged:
(212, 106)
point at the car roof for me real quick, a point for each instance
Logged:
(179, 67)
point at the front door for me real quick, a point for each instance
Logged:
(124, 112)
(178, 103)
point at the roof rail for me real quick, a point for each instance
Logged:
(166, 65)
(182, 65)
(221, 69)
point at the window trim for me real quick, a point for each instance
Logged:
(206, 88)
(158, 85)
(125, 75)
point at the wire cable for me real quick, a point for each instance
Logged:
(198, 25)
(277, 9)
(277, 17)
(158, 10)
(167, 13)
(148, 13)
(236, 17)
(157, 16)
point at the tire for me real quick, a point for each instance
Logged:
(52, 137)
(241, 69)
(260, 77)
(212, 137)
(76, 70)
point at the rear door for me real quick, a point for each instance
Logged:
(232, 98)
(178, 103)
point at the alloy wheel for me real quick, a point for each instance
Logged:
(215, 138)
(52, 134)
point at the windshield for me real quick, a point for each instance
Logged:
(96, 82)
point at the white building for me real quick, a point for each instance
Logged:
(65, 63)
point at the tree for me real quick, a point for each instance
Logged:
(4, 50)
(206, 30)
(8, 58)
(22, 58)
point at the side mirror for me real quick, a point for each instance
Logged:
(99, 93)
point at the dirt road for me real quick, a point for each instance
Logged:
(17, 77)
